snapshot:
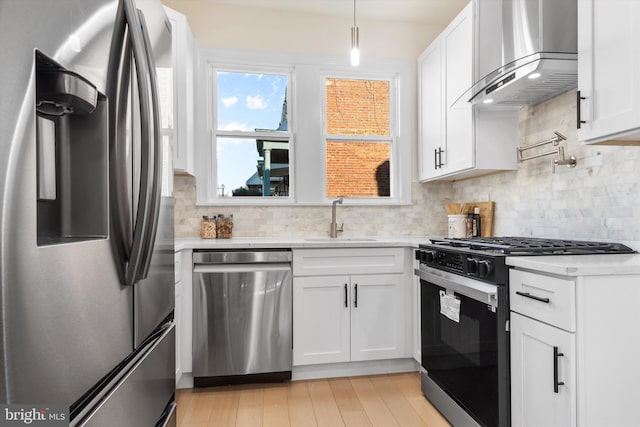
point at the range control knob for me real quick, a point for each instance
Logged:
(429, 256)
(472, 266)
(426, 256)
(484, 268)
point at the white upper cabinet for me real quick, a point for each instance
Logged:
(457, 140)
(431, 110)
(609, 71)
(182, 134)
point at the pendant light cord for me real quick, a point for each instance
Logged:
(354, 13)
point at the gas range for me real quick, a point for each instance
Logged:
(465, 321)
(483, 258)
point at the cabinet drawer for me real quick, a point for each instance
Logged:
(178, 266)
(545, 298)
(323, 262)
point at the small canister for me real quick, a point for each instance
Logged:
(225, 227)
(208, 228)
(457, 226)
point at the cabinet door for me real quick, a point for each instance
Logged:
(608, 69)
(182, 85)
(431, 115)
(321, 320)
(534, 402)
(457, 47)
(377, 317)
(177, 316)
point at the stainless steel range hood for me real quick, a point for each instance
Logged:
(525, 51)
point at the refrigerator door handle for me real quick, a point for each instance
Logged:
(139, 244)
(120, 69)
(154, 212)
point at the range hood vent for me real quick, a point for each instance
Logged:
(538, 51)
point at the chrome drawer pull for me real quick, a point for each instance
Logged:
(528, 295)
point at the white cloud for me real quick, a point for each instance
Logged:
(256, 102)
(236, 126)
(229, 102)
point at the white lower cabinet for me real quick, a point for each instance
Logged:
(543, 366)
(348, 317)
(182, 312)
(177, 314)
(321, 320)
(574, 341)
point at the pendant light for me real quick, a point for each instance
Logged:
(355, 40)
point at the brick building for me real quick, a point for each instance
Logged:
(357, 108)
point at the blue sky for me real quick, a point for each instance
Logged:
(245, 102)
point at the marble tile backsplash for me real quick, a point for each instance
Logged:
(598, 199)
(314, 221)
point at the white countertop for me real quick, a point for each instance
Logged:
(297, 242)
(579, 265)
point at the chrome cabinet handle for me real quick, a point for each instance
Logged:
(556, 383)
(528, 295)
(579, 98)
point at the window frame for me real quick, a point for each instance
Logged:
(392, 139)
(306, 98)
(213, 68)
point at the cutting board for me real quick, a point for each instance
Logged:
(486, 213)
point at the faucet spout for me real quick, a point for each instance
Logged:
(334, 225)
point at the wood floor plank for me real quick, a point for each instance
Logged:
(324, 405)
(199, 409)
(397, 402)
(224, 410)
(300, 407)
(409, 385)
(353, 414)
(384, 400)
(183, 399)
(250, 406)
(375, 407)
(276, 407)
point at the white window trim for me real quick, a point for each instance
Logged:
(306, 124)
(392, 139)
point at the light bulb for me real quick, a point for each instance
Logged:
(355, 57)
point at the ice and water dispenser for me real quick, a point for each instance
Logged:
(72, 134)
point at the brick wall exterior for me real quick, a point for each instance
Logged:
(357, 169)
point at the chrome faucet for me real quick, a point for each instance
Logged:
(334, 225)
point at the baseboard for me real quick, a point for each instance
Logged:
(351, 369)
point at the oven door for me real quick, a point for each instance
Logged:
(465, 348)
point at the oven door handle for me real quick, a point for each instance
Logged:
(474, 289)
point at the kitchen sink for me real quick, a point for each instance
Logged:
(340, 239)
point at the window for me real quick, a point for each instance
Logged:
(358, 138)
(252, 136)
(318, 128)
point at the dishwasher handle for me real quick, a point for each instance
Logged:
(241, 257)
(240, 268)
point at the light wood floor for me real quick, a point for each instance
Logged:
(381, 400)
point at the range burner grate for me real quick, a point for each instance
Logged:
(534, 246)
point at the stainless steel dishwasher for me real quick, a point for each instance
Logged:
(242, 316)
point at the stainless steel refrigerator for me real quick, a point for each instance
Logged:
(86, 211)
